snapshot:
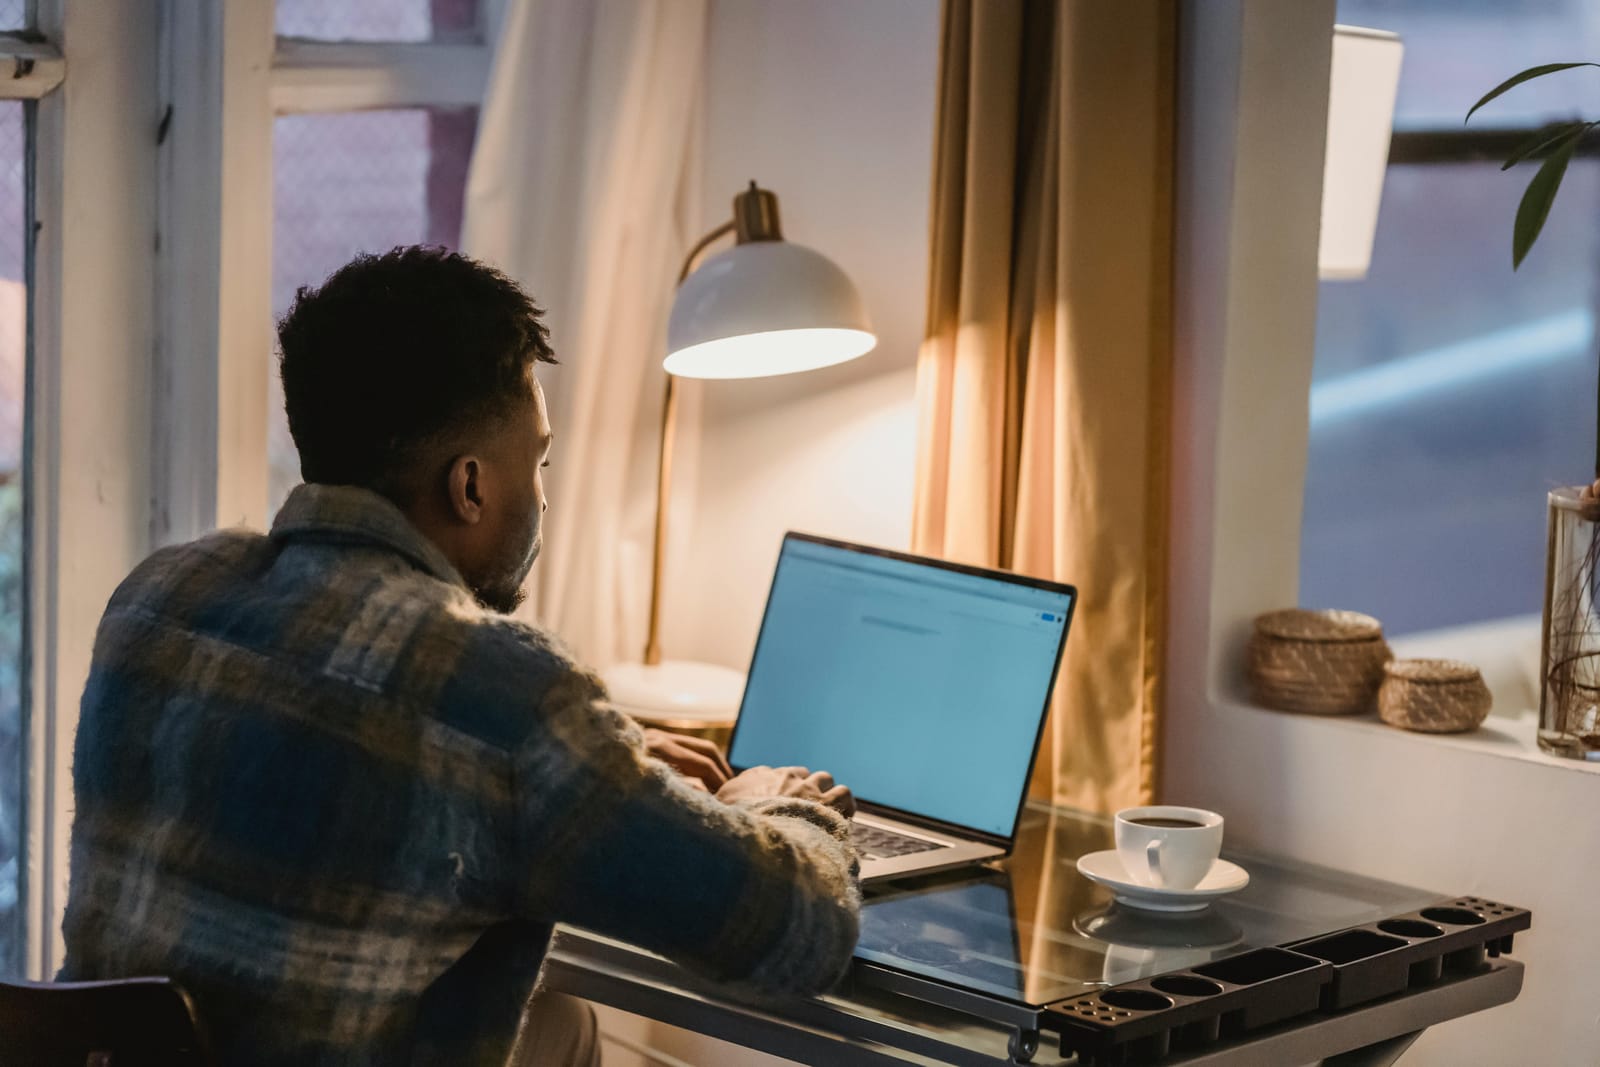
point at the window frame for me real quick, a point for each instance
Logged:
(1488, 145)
(91, 333)
(36, 70)
(33, 68)
(320, 76)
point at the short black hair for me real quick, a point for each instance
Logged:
(396, 351)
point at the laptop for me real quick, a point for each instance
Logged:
(920, 684)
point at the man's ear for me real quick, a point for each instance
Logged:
(466, 489)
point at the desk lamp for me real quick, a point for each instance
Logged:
(763, 307)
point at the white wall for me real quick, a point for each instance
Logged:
(1447, 815)
(830, 104)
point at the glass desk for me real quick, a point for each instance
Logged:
(951, 968)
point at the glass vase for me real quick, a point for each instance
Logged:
(1569, 667)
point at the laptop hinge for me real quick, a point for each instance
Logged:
(950, 829)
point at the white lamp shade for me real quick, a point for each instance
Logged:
(1361, 94)
(764, 308)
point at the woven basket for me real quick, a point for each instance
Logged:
(1319, 662)
(1435, 696)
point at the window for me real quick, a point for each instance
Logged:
(13, 381)
(1449, 393)
(376, 20)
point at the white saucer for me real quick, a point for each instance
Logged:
(1105, 868)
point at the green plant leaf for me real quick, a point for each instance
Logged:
(1549, 137)
(1517, 79)
(1536, 201)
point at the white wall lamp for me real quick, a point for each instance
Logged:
(763, 307)
(1361, 96)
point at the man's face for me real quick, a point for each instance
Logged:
(514, 511)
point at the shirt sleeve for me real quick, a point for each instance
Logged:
(764, 895)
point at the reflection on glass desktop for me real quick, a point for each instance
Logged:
(965, 934)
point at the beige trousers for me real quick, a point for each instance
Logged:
(557, 1031)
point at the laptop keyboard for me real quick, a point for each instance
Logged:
(875, 842)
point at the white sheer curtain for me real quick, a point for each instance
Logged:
(584, 187)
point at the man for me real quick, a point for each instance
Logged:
(324, 782)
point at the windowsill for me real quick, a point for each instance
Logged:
(1500, 736)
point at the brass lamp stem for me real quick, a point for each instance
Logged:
(669, 429)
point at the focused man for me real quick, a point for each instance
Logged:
(325, 782)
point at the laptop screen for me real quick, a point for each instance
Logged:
(920, 687)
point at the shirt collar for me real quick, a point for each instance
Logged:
(345, 514)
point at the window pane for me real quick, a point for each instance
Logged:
(378, 20)
(13, 14)
(353, 182)
(13, 381)
(1449, 395)
(1457, 50)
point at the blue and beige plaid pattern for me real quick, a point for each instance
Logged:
(342, 804)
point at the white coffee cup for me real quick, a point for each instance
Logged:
(1168, 847)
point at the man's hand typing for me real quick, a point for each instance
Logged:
(760, 782)
(696, 759)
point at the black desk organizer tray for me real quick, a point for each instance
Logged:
(1139, 1022)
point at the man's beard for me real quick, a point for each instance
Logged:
(505, 594)
(500, 599)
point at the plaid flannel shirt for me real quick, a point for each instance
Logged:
(342, 804)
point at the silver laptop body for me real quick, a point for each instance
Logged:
(920, 684)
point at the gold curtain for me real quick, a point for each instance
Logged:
(1043, 380)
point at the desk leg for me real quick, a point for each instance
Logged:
(1381, 1054)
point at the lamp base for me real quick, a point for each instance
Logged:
(676, 694)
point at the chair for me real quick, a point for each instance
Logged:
(131, 1022)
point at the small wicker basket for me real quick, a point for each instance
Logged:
(1319, 662)
(1435, 696)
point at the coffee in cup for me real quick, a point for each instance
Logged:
(1168, 847)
